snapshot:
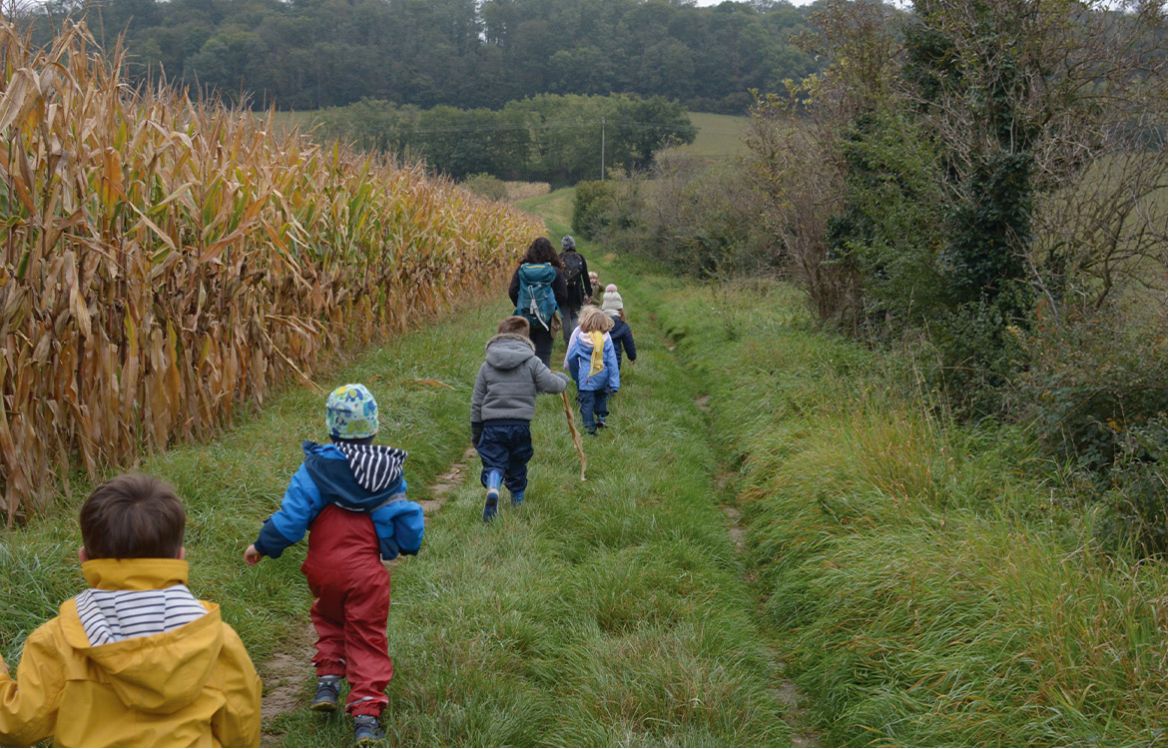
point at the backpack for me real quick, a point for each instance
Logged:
(573, 264)
(536, 301)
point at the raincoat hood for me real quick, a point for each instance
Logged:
(344, 480)
(508, 351)
(156, 674)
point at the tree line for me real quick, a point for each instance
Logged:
(547, 138)
(308, 54)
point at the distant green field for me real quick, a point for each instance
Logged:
(720, 136)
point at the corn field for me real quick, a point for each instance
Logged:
(167, 261)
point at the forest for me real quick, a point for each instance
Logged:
(308, 54)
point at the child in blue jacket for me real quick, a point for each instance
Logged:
(621, 334)
(351, 495)
(592, 362)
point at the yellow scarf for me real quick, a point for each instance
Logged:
(597, 358)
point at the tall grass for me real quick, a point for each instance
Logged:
(165, 261)
(930, 584)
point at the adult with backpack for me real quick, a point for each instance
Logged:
(538, 291)
(577, 284)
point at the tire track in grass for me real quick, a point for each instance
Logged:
(785, 692)
(283, 674)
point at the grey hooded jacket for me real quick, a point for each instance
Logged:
(509, 380)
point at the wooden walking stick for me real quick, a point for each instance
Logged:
(573, 431)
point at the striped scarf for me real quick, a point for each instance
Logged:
(115, 615)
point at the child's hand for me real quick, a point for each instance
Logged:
(251, 556)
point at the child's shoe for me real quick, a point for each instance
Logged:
(367, 731)
(491, 503)
(591, 431)
(600, 423)
(325, 699)
(517, 499)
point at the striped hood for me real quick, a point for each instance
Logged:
(374, 467)
(115, 615)
(355, 477)
(139, 624)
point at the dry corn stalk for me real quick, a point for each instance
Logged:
(164, 261)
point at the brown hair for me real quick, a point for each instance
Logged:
(514, 324)
(593, 319)
(541, 251)
(133, 516)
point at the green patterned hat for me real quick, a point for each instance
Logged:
(351, 413)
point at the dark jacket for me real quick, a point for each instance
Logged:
(577, 293)
(558, 287)
(623, 337)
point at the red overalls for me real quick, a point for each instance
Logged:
(351, 606)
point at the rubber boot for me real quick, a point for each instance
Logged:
(493, 495)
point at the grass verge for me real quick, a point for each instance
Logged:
(928, 583)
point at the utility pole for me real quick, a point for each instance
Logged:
(603, 148)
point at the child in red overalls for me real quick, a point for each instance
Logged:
(352, 497)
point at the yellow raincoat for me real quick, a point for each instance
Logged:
(190, 686)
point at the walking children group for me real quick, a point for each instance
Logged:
(137, 660)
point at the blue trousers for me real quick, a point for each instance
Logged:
(542, 341)
(592, 407)
(506, 448)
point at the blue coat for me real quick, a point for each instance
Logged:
(326, 478)
(577, 362)
(623, 337)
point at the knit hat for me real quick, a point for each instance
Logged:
(567, 243)
(351, 413)
(612, 301)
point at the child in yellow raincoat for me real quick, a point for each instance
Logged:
(135, 660)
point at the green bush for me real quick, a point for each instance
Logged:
(1134, 517)
(890, 227)
(592, 208)
(1095, 393)
(701, 219)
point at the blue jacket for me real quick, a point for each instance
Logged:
(329, 476)
(577, 362)
(623, 337)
